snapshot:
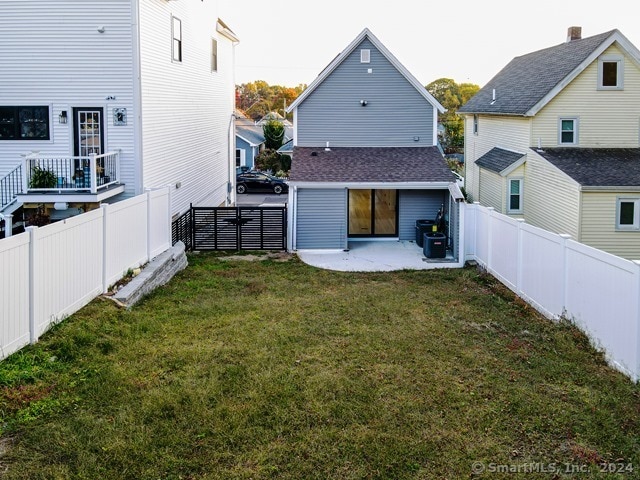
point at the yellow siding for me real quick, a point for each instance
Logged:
(511, 133)
(551, 199)
(599, 225)
(607, 118)
(491, 190)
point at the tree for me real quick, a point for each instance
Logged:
(452, 96)
(258, 98)
(273, 132)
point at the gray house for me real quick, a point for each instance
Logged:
(365, 163)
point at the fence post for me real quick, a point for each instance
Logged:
(169, 216)
(33, 337)
(635, 374)
(565, 271)
(519, 257)
(148, 194)
(476, 206)
(489, 237)
(105, 236)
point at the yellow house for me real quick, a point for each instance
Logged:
(554, 138)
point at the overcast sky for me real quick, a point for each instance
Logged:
(288, 42)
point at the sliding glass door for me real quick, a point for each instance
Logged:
(373, 213)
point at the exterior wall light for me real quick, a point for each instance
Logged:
(62, 118)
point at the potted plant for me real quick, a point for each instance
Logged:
(42, 178)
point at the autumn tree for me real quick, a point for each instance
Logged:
(452, 96)
(258, 98)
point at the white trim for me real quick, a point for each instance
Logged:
(251, 144)
(616, 36)
(619, 61)
(365, 55)
(515, 211)
(374, 185)
(366, 33)
(575, 131)
(225, 31)
(71, 198)
(514, 165)
(636, 214)
(138, 186)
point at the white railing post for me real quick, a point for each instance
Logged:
(26, 164)
(519, 257)
(93, 173)
(33, 337)
(118, 165)
(105, 236)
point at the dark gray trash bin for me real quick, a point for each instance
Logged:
(435, 245)
(422, 227)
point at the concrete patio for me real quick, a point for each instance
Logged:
(376, 256)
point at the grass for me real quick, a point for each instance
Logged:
(267, 369)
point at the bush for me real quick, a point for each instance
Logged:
(42, 178)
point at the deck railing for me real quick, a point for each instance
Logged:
(70, 174)
(10, 186)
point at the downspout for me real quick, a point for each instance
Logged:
(232, 127)
(137, 98)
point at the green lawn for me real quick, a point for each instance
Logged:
(271, 369)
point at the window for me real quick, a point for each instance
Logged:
(214, 55)
(176, 45)
(628, 214)
(568, 134)
(514, 195)
(24, 123)
(238, 157)
(365, 55)
(476, 120)
(610, 73)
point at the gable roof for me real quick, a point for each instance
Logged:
(252, 135)
(366, 33)
(369, 164)
(287, 147)
(597, 167)
(529, 82)
(501, 161)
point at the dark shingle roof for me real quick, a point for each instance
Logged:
(597, 167)
(528, 79)
(369, 164)
(498, 159)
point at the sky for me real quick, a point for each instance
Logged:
(289, 42)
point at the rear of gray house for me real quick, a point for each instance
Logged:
(365, 163)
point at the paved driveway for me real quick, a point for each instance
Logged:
(261, 199)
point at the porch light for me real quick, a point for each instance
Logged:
(62, 118)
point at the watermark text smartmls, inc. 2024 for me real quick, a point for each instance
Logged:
(479, 468)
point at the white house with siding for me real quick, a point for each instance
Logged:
(554, 138)
(114, 96)
(365, 163)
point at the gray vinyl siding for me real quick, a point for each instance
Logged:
(454, 227)
(418, 205)
(395, 112)
(321, 218)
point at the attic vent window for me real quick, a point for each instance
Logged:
(610, 73)
(365, 55)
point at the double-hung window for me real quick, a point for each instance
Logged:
(628, 214)
(214, 55)
(514, 195)
(476, 121)
(568, 131)
(24, 123)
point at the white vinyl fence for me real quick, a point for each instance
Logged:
(51, 272)
(600, 292)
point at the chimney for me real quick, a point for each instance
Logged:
(574, 33)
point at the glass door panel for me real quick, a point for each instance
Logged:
(385, 212)
(360, 212)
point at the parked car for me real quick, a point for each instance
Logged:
(250, 182)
